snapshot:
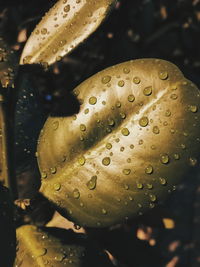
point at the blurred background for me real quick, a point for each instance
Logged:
(167, 29)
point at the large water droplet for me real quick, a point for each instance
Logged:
(147, 90)
(163, 75)
(149, 169)
(143, 121)
(126, 171)
(93, 100)
(106, 161)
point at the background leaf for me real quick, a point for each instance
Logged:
(63, 28)
(56, 247)
(135, 137)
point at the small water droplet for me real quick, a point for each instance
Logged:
(59, 257)
(176, 156)
(111, 122)
(143, 121)
(163, 75)
(66, 8)
(108, 145)
(131, 98)
(149, 169)
(106, 79)
(162, 181)
(91, 184)
(106, 161)
(92, 100)
(164, 158)
(125, 131)
(76, 193)
(118, 104)
(126, 186)
(57, 186)
(81, 160)
(126, 171)
(147, 90)
(192, 161)
(126, 70)
(44, 175)
(174, 96)
(41, 252)
(149, 186)
(193, 108)
(82, 127)
(55, 125)
(121, 83)
(122, 115)
(168, 113)
(136, 80)
(156, 130)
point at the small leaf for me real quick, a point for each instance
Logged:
(135, 137)
(49, 246)
(7, 229)
(63, 28)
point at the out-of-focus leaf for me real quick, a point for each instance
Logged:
(135, 137)
(51, 246)
(8, 65)
(7, 229)
(63, 28)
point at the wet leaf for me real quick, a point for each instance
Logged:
(7, 229)
(135, 137)
(51, 246)
(63, 28)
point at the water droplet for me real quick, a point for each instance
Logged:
(122, 115)
(174, 96)
(193, 108)
(59, 257)
(126, 70)
(91, 184)
(168, 113)
(76, 193)
(162, 181)
(136, 80)
(149, 169)
(126, 186)
(81, 160)
(139, 185)
(152, 197)
(164, 158)
(55, 125)
(57, 186)
(143, 121)
(149, 186)
(111, 122)
(130, 198)
(106, 79)
(126, 171)
(53, 170)
(82, 127)
(192, 161)
(66, 8)
(106, 161)
(147, 90)
(118, 104)
(121, 83)
(104, 211)
(44, 31)
(41, 252)
(131, 98)
(86, 111)
(108, 145)
(156, 130)
(44, 175)
(176, 156)
(93, 100)
(125, 132)
(163, 75)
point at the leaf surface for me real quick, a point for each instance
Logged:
(135, 137)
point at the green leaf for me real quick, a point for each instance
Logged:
(51, 246)
(135, 137)
(64, 27)
(7, 229)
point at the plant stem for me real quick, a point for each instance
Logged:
(7, 152)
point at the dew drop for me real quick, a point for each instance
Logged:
(131, 98)
(164, 158)
(81, 160)
(143, 121)
(152, 197)
(66, 8)
(41, 252)
(104, 211)
(136, 80)
(111, 122)
(193, 108)
(162, 181)
(106, 161)
(55, 125)
(168, 113)
(122, 115)
(163, 75)
(125, 132)
(156, 130)
(149, 169)
(92, 100)
(149, 186)
(53, 170)
(147, 90)
(108, 145)
(91, 184)
(192, 161)
(174, 96)
(44, 31)
(126, 171)
(139, 185)
(176, 156)
(59, 257)
(82, 127)
(106, 79)
(76, 193)
(57, 186)
(118, 104)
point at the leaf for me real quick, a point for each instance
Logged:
(49, 246)
(7, 229)
(64, 27)
(8, 65)
(135, 137)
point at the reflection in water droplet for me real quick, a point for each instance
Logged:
(104, 211)
(106, 161)
(139, 185)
